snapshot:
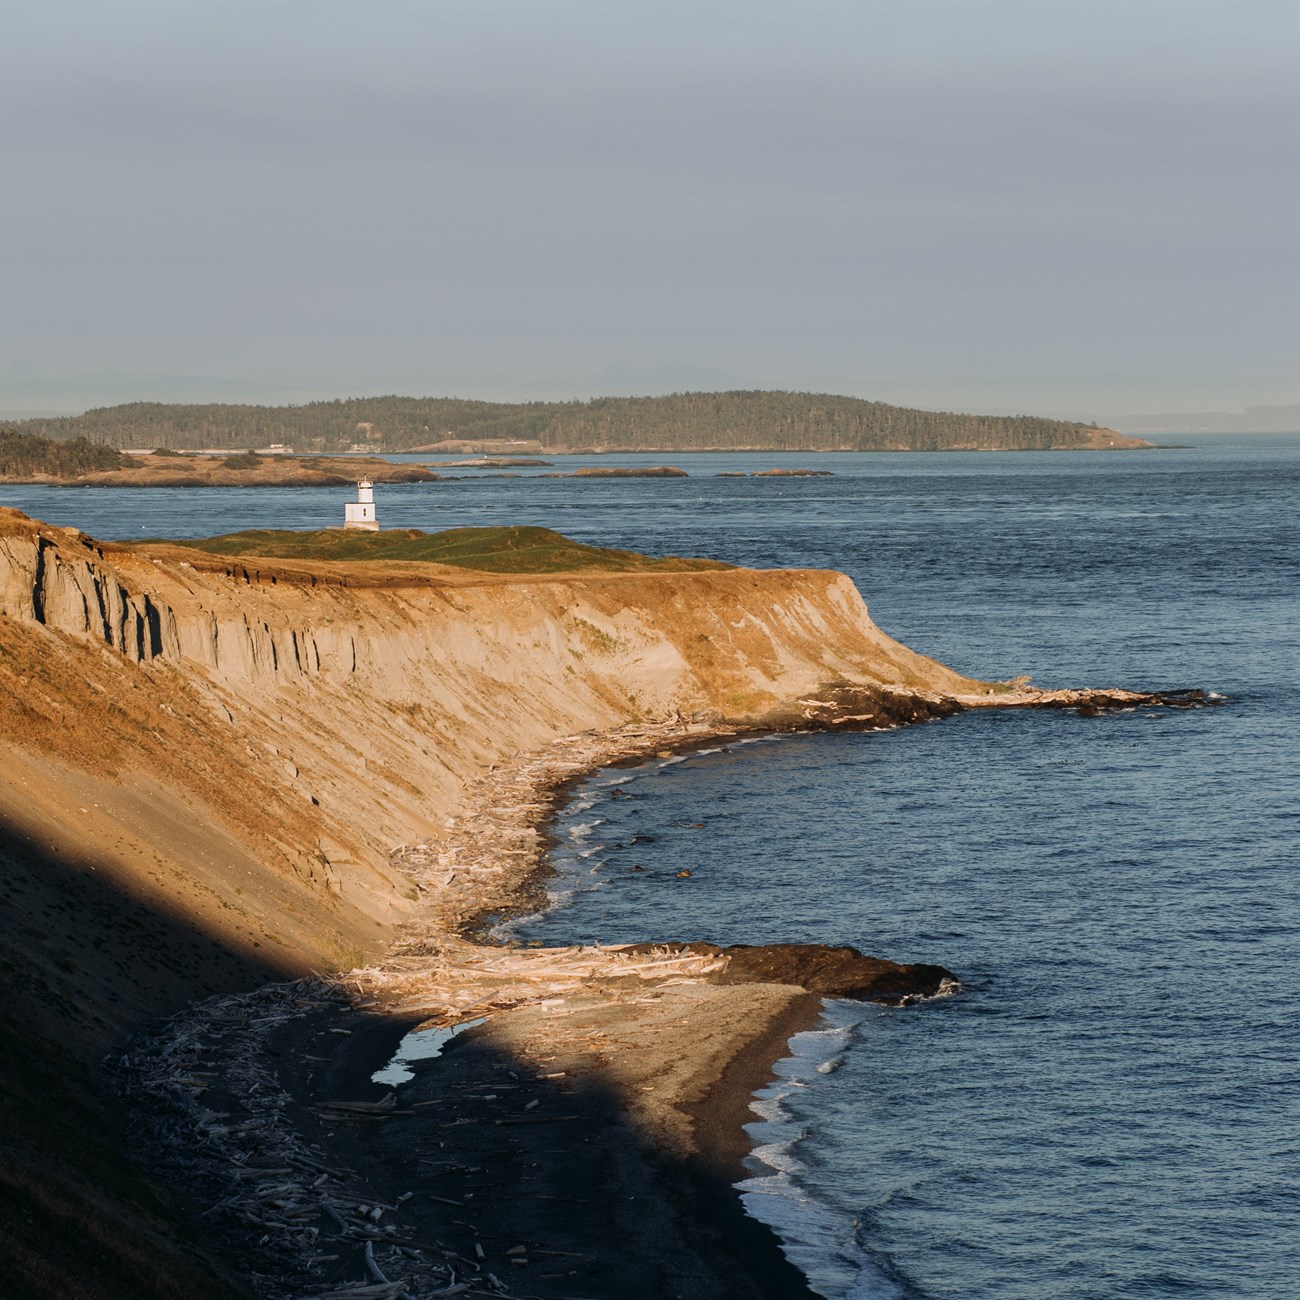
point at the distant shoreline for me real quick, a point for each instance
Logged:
(212, 470)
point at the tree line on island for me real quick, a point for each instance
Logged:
(764, 421)
(25, 454)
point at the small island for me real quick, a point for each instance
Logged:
(30, 458)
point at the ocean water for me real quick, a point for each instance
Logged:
(1110, 1106)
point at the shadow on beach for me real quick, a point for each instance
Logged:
(484, 1155)
(83, 962)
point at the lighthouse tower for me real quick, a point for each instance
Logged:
(361, 512)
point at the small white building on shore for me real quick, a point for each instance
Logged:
(361, 512)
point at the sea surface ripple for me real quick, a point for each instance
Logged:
(1111, 1105)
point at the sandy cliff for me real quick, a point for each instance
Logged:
(219, 772)
(207, 764)
(322, 716)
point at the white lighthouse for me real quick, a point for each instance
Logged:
(361, 512)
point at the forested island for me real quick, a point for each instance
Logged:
(732, 421)
(24, 456)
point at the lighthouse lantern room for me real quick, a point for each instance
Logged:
(361, 512)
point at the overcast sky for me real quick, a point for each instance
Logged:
(1047, 205)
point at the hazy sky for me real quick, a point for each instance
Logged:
(1052, 205)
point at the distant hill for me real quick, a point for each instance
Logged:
(767, 421)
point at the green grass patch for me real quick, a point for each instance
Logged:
(492, 550)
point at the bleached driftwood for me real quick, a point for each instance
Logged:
(296, 1209)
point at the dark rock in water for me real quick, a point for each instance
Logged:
(851, 706)
(819, 968)
(1092, 704)
(652, 471)
(833, 972)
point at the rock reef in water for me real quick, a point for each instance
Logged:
(828, 971)
(651, 471)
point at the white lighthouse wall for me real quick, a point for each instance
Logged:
(360, 514)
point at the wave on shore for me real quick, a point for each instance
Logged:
(818, 1236)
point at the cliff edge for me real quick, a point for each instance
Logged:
(310, 717)
(270, 800)
(208, 763)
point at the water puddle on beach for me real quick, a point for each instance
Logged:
(419, 1045)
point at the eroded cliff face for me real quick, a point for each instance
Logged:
(248, 741)
(205, 765)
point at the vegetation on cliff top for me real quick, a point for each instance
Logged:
(779, 421)
(494, 550)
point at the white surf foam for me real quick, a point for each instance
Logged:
(818, 1236)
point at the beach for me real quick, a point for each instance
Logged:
(593, 1116)
(581, 1137)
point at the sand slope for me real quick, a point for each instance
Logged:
(207, 763)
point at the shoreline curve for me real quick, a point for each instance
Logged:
(207, 762)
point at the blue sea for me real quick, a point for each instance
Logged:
(1110, 1106)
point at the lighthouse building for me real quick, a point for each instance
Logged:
(361, 512)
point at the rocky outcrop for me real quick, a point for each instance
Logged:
(834, 972)
(828, 971)
(43, 579)
(649, 471)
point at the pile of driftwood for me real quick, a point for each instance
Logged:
(486, 860)
(209, 1103)
(212, 1107)
(472, 981)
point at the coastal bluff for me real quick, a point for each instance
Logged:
(220, 772)
(318, 715)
